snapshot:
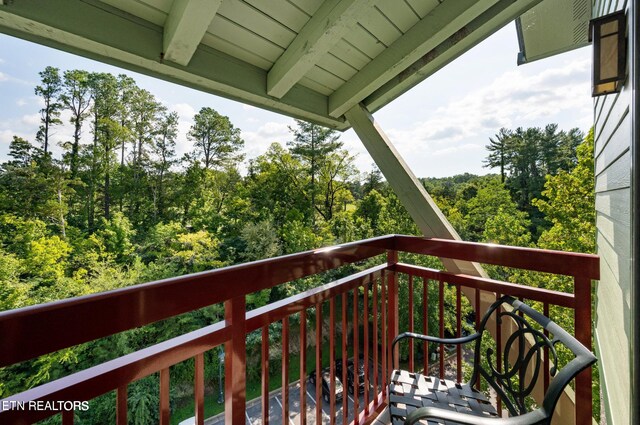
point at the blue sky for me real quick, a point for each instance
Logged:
(440, 127)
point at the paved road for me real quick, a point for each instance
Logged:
(254, 408)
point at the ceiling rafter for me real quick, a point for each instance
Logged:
(95, 30)
(186, 24)
(496, 17)
(325, 28)
(440, 24)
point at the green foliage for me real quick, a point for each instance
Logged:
(197, 252)
(45, 260)
(525, 157)
(216, 140)
(115, 235)
(49, 91)
(569, 205)
(260, 241)
(480, 201)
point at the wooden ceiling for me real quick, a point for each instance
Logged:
(308, 59)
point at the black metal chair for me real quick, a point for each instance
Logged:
(414, 397)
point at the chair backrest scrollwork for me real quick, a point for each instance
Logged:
(514, 373)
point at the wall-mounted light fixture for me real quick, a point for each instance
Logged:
(608, 34)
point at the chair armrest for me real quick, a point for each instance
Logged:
(537, 416)
(428, 338)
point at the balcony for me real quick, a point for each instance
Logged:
(358, 315)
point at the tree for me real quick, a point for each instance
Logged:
(373, 181)
(525, 157)
(498, 152)
(76, 97)
(107, 134)
(311, 144)
(216, 140)
(570, 205)
(335, 173)
(490, 198)
(144, 110)
(164, 150)
(49, 90)
(273, 186)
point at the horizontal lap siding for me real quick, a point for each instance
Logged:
(612, 135)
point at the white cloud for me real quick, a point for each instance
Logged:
(31, 119)
(256, 142)
(457, 131)
(6, 136)
(3, 77)
(184, 110)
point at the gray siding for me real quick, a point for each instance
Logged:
(613, 219)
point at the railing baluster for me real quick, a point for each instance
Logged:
(499, 354)
(318, 363)
(411, 366)
(198, 388)
(345, 354)
(285, 369)
(332, 358)
(441, 312)
(383, 332)
(367, 378)
(356, 378)
(392, 330)
(265, 375)
(164, 397)
(67, 417)
(376, 345)
(582, 325)
(477, 313)
(425, 323)
(235, 362)
(545, 378)
(121, 405)
(303, 367)
(458, 334)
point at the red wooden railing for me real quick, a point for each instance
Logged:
(373, 294)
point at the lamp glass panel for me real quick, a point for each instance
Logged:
(605, 88)
(609, 28)
(608, 57)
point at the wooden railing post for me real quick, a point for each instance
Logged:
(392, 259)
(235, 362)
(582, 325)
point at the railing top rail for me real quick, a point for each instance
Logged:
(541, 260)
(44, 328)
(562, 299)
(97, 380)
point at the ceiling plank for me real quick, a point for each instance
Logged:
(441, 23)
(496, 17)
(186, 24)
(325, 28)
(98, 31)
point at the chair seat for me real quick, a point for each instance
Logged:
(409, 391)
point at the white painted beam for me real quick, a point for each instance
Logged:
(496, 17)
(440, 24)
(186, 24)
(325, 28)
(412, 194)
